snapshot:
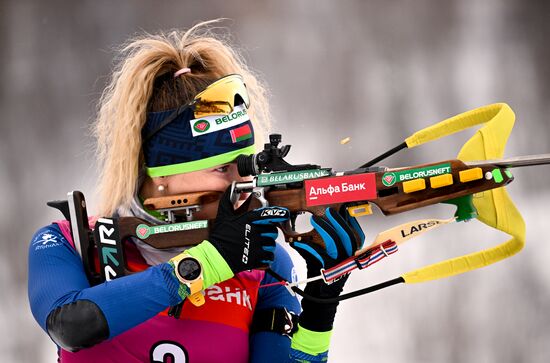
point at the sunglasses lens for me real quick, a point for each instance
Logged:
(220, 97)
(203, 109)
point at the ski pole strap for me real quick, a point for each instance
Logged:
(364, 260)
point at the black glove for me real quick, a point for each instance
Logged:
(246, 240)
(341, 243)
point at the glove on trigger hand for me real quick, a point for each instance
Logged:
(337, 231)
(246, 240)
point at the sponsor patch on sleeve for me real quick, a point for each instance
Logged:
(46, 240)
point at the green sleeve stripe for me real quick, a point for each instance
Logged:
(215, 269)
(311, 342)
(199, 164)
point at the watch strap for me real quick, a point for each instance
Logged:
(196, 296)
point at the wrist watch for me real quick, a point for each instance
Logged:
(189, 272)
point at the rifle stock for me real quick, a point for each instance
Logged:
(440, 182)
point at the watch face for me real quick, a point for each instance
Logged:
(189, 269)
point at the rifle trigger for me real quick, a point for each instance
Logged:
(293, 217)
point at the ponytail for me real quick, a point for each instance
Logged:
(143, 81)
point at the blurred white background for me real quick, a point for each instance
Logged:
(373, 70)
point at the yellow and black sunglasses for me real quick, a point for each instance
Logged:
(219, 98)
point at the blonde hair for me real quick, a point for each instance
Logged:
(143, 81)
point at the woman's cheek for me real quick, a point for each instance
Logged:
(213, 182)
(208, 211)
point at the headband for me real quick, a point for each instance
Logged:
(186, 144)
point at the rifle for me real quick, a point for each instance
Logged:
(311, 188)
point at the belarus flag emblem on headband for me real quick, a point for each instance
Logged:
(241, 133)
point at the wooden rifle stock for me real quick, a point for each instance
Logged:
(393, 196)
(397, 190)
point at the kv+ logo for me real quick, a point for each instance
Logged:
(274, 212)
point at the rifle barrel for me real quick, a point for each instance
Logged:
(514, 162)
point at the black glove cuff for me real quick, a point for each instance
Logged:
(277, 320)
(317, 317)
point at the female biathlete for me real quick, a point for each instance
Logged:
(147, 147)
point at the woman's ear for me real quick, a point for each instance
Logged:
(154, 187)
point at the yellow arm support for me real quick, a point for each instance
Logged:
(495, 208)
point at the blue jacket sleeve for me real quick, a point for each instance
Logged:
(56, 278)
(269, 347)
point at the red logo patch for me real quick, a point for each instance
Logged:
(201, 126)
(142, 231)
(340, 189)
(389, 178)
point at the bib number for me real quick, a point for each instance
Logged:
(167, 351)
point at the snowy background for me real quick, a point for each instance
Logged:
(373, 70)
